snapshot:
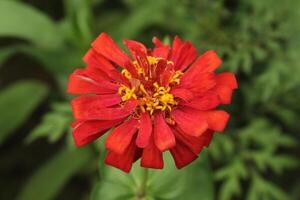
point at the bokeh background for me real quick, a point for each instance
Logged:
(42, 41)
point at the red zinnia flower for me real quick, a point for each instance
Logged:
(161, 100)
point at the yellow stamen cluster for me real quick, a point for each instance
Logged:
(176, 77)
(127, 92)
(161, 99)
(126, 74)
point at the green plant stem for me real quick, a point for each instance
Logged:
(142, 190)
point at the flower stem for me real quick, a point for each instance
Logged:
(143, 186)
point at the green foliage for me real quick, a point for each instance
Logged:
(54, 124)
(47, 181)
(39, 29)
(249, 156)
(169, 183)
(17, 102)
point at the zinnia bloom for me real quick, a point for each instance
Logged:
(156, 100)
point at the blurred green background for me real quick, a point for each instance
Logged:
(42, 41)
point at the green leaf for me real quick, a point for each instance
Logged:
(54, 124)
(49, 179)
(20, 20)
(17, 102)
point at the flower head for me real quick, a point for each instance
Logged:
(161, 99)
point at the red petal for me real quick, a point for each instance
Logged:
(183, 94)
(87, 131)
(183, 54)
(190, 121)
(161, 52)
(199, 84)
(157, 42)
(95, 59)
(108, 113)
(93, 103)
(119, 138)
(134, 46)
(207, 137)
(207, 62)
(145, 130)
(224, 93)
(216, 119)
(177, 43)
(194, 143)
(123, 161)
(207, 102)
(182, 155)
(79, 83)
(92, 58)
(152, 156)
(163, 135)
(105, 46)
(228, 79)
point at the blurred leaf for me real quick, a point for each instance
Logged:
(17, 102)
(5, 53)
(54, 124)
(78, 21)
(193, 182)
(20, 20)
(261, 189)
(49, 179)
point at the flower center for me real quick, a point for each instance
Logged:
(150, 94)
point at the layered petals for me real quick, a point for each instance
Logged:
(122, 161)
(182, 155)
(87, 131)
(105, 46)
(104, 113)
(191, 122)
(145, 131)
(120, 138)
(80, 83)
(155, 101)
(163, 136)
(152, 157)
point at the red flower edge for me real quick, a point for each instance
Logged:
(164, 99)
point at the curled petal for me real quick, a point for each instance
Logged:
(182, 155)
(122, 161)
(152, 156)
(120, 138)
(145, 130)
(163, 136)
